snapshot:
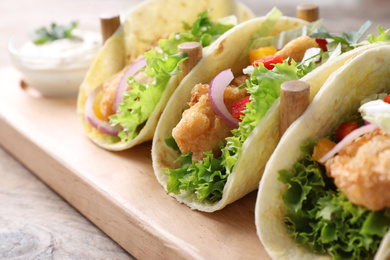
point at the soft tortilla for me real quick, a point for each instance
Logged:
(262, 141)
(364, 73)
(225, 55)
(143, 25)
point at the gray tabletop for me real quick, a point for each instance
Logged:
(36, 223)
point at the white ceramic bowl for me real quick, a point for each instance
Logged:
(58, 73)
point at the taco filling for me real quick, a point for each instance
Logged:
(209, 137)
(201, 129)
(124, 103)
(337, 196)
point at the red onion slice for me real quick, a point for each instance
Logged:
(216, 90)
(347, 140)
(102, 126)
(122, 86)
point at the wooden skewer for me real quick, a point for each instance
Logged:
(294, 99)
(308, 12)
(194, 51)
(108, 25)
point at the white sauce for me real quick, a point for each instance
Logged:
(377, 112)
(57, 68)
(62, 54)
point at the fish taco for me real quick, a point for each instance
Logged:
(325, 190)
(221, 125)
(138, 68)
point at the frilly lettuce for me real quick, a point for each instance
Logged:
(264, 87)
(141, 100)
(321, 217)
(207, 178)
(383, 36)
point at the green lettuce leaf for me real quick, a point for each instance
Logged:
(204, 178)
(206, 31)
(208, 177)
(383, 36)
(264, 88)
(321, 217)
(142, 99)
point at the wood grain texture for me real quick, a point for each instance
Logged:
(118, 191)
(108, 25)
(194, 52)
(35, 223)
(308, 12)
(294, 99)
(30, 210)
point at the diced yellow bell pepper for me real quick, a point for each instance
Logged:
(261, 52)
(96, 106)
(322, 148)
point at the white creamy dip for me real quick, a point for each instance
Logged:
(56, 68)
(68, 53)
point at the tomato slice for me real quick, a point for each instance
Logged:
(322, 43)
(269, 61)
(239, 106)
(387, 99)
(346, 128)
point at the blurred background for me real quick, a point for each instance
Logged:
(338, 15)
(17, 183)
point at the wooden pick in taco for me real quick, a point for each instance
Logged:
(205, 157)
(325, 190)
(138, 68)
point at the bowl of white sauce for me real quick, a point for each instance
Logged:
(55, 68)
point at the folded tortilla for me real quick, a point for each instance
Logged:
(259, 146)
(144, 24)
(363, 73)
(248, 169)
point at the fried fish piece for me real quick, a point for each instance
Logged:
(296, 48)
(107, 104)
(201, 129)
(109, 91)
(361, 170)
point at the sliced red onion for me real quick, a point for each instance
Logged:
(216, 90)
(347, 140)
(122, 86)
(89, 114)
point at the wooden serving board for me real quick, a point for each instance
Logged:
(117, 191)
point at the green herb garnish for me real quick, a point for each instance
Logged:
(42, 35)
(348, 38)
